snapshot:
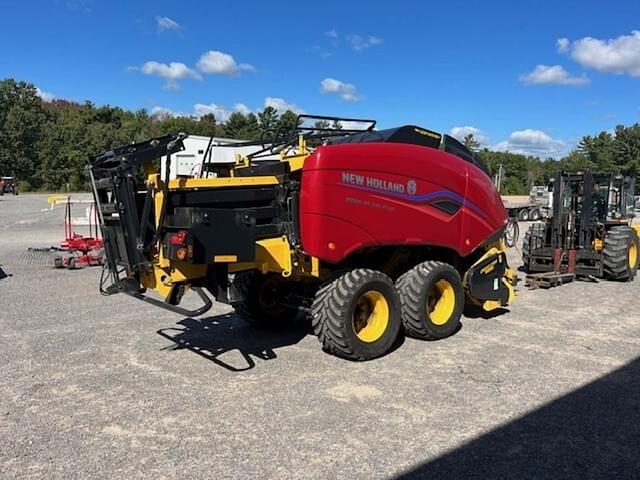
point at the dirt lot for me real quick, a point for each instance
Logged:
(96, 387)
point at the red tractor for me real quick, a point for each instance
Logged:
(368, 232)
(8, 185)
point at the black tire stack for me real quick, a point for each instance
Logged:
(532, 240)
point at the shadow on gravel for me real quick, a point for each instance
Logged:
(592, 432)
(212, 337)
(476, 311)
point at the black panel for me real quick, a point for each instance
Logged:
(214, 232)
(447, 206)
(264, 167)
(407, 134)
(413, 135)
(489, 286)
(221, 197)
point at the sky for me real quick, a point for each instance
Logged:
(529, 77)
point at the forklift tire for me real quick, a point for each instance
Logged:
(432, 300)
(357, 316)
(620, 254)
(259, 306)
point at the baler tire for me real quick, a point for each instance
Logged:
(415, 288)
(251, 309)
(618, 260)
(338, 305)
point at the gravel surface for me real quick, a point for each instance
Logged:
(97, 387)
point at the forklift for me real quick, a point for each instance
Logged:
(589, 234)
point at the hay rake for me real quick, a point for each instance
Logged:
(75, 251)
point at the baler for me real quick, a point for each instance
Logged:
(370, 233)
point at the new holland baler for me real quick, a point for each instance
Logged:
(368, 232)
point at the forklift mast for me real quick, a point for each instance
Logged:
(574, 216)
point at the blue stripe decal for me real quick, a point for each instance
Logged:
(424, 198)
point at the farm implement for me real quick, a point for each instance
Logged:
(367, 232)
(76, 250)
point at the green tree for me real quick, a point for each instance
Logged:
(288, 121)
(22, 118)
(268, 120)
(470, 142)
(236, 125)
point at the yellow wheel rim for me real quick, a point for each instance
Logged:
(633, 255)
(441, 302)
(371, 316)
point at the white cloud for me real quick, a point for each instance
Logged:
(461, 132)
(359, 43)
(615, 55)
(532, 142)
(220, 113)
(162, 112)
(552, 75)
(332, 34)
(346, 91)
(45, 96)
(218, 63)
(562, 44)
(171, 73)
(166, 23)
(281, 105)
(242, 108)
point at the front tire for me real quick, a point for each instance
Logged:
(357, 315)
(432, 300)
(620, 254)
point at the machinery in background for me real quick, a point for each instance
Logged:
(76, 250)
(8, 185)
(589, 234)
(536, 206)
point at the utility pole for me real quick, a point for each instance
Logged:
(498, 179)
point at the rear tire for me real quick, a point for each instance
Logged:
(432, 300)
(259, 306)
(534, 214)
(357, 315)
(620, 254)
(523, 215)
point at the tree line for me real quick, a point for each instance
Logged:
(45, 145)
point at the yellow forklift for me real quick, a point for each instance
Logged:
(589, 234)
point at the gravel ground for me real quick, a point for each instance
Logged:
(96, 387)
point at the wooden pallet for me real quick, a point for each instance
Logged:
(548, 279)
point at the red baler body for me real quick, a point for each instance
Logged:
(368, 194)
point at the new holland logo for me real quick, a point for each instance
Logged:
(381, 184)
